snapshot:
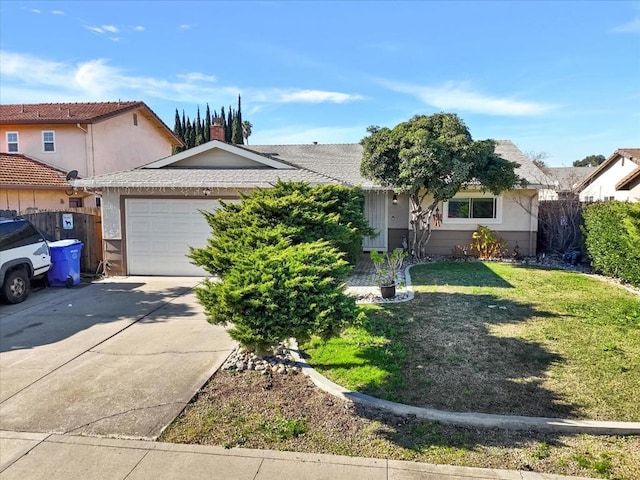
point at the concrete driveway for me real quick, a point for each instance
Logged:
(121, 357)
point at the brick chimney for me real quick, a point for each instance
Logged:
(217, 130)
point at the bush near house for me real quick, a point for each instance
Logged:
(281, 255)
(293, 210)
(277, 292)
(612, 239)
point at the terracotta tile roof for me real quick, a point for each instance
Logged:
(18, 170)
(628, 182)
(63, 112)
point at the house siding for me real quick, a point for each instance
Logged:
(604, 185)
(442, 242)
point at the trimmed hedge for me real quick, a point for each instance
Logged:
(278, 292)
(291, 210)
(282, 256)
(612, 239)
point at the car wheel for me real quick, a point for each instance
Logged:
(16, 286)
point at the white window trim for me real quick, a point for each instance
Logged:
(54, 141)
(473, 221)
(17, 142)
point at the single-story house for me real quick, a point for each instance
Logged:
(151, 214)
(563, 182)
(615, 179)
(27, 184)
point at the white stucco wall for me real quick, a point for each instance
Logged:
(604, 185)
(111, 208)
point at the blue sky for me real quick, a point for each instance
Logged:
(560, 78)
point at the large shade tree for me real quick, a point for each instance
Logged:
(433, 157)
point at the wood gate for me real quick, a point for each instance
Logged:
(81, 224)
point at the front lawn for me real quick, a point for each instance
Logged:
(497, 338)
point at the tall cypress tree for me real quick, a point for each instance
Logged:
(236, 136)
(177, 129)
(207, 126)
(228, 126)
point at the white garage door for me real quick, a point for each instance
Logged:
(160, 232)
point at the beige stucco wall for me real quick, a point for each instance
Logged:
(111, 145)
(70, 149)
(118, 144)
(20, 200)
(605, 184)
(517, 211)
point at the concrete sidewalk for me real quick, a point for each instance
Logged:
(68, 457)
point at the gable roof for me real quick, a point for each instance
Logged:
(632, 154)
(18, 170)
(630, 181)
(313, 163)
(568, 178)
(72, 113)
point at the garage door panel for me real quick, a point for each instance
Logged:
(160, 231)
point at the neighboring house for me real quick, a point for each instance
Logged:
(27, 184)
(90, 138)
(614, 179)
(151, 214)
(563, 182)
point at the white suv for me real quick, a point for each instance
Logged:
(24, 254)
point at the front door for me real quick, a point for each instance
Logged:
(375, 209)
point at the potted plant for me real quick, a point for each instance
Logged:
(387, 266)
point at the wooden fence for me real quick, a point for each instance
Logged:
(81, 224)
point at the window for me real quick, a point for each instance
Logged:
(48, 142)
(467, 208)
(98, 202)
(75, 202)
(12, 142)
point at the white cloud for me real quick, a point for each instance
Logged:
(57, 12)
(197, 77)
(94, 29)
(305, 96)
(30, 79)
(102, 29)
(456, 96)
(139, 28)
(185, 27)
(35, 10)
(630, 27)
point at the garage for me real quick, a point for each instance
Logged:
(160, 232)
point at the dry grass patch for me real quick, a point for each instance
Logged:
(498, 338)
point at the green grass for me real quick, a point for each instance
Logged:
(497, 338)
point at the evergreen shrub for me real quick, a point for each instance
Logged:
(612, 239)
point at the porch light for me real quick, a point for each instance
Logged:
(394, 199)
(206, 192)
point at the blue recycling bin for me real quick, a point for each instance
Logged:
(65, 257)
